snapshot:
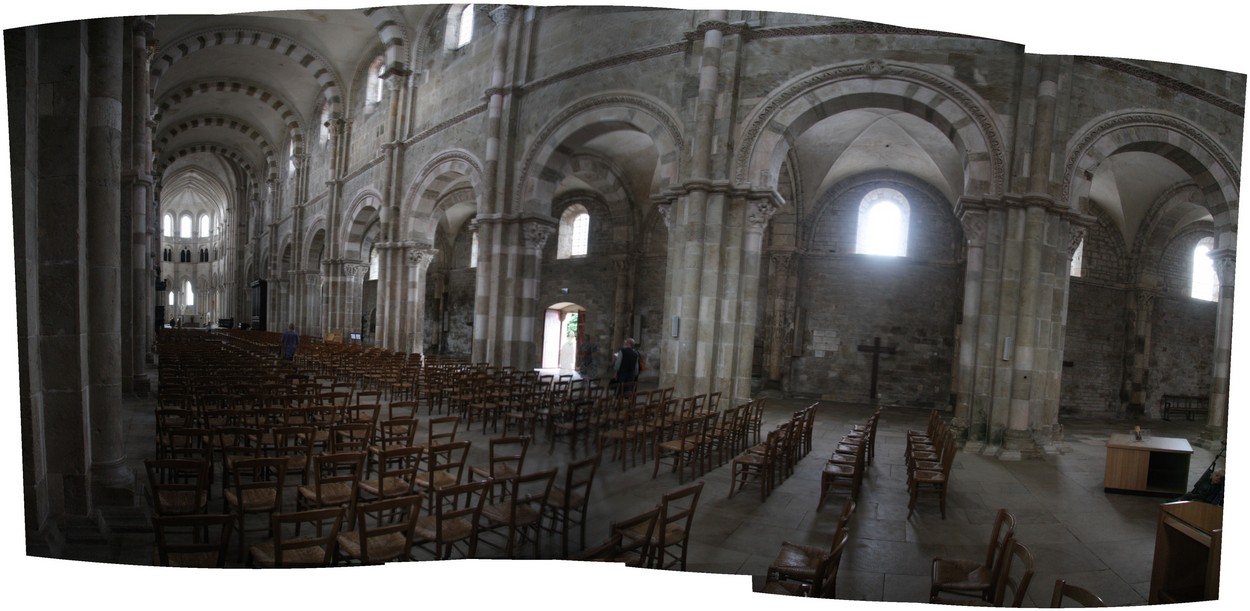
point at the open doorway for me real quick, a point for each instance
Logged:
(563, 324)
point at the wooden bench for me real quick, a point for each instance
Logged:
(1188, 405)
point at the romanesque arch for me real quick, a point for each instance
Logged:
(548, 157)
(1213, 170)
(306, 58)
(810, 98)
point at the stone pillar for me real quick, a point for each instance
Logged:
(103, 203)
(311, 323)
(622, 297)
(780, 305)
(973, 217)
(418, 260)
(1137, 346)
(741, 299)
(694, 253)
(139, 173)
(1217, 414)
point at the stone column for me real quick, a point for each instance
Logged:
(780, 304)
(140, 194)
(1217, 414)
(742, 299)
(621, 298)
(973, 217)
(103, 203)
(694, 253)
(311, 323)
(418, 260)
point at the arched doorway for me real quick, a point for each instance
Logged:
(563, 325)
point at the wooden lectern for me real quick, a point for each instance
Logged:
(1187, 553)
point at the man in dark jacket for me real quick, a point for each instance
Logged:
(626, 365)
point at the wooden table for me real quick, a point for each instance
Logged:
(1155, 465)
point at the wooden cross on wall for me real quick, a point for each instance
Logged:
(877, 350)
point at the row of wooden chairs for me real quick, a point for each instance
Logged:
(1008, 567)
(848, 463)
(773, 460)
(929, 455)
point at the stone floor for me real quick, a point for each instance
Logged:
(1075, 530)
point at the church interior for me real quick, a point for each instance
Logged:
(863, 263)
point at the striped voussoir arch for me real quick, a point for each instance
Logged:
(163, 139)
(1212, 169)
(394, 36)
(165, 159)
(168, 55)
(285, 109)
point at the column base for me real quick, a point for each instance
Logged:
(141, 385)
(1212, 438)
(1019, 445)
(112, 475)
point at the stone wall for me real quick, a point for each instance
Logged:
(847, 300)
(1093, 348)
(1181, 349)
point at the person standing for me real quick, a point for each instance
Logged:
(290, 340)
(625, 364)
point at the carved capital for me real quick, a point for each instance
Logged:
(781, 263)
(502, 15)
(974, 226)
(1224, 260)
(1076, 235)
(536, 234)
(759, 211)
(666, 213)
(419, 256)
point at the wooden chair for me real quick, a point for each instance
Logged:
(974, 577)
(681, 451)
(199, 540)
(289, 548)
(444, 466)
(1083, 597)
(396, 470)
(568, 504)
(1014, 574)
(178, 486)
(938, 482)
(824, 580)
(506, 460)
(677, 509)
(295, 444)
(383, 531)
(629, 541)
(759, 464)
(837, 474)
(254, 485)
(522, 511)
(335, 482)
(455, 516)
(798, 562)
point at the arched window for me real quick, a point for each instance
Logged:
(167, 225)
(473, 251)
(374, 83)
(1204, 284)
(1078, 260)
(373, 264)
(884, 215)
(323, 132)
(290, 156)
(574, 234)
(459, 26)
(188, 294)
(184, 226)
(171, 297)
(204, 226)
